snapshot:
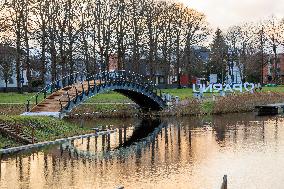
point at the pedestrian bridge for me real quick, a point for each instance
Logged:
(59, 98)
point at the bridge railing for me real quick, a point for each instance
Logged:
(104, 78)
(126, 76)
(130, 77)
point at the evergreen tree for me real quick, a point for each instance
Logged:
(218, 56)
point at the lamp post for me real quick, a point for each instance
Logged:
(22, 77)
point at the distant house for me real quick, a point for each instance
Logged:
(269, 68)
(113, 62)
(201, 53)
(8, 68)
(142, 65)
(199, 57)
(12, 82)
(164, 73)
(8, 75)
(234, 73)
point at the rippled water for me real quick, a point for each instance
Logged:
(171, 153)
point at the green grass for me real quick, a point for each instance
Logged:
(6, 142)
(15, 97)
(181, 93)
(45, 128)
(273, 89)
(110, 97)
(207, 106)
(188, 92)
(113, 97)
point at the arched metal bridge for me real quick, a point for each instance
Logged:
(71, 91)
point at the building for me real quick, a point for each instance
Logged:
(234, 73)
(12, 82)
(8, 76)
(113, 62)
(269, 69)
(165, 74)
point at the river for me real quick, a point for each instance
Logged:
(193, 152)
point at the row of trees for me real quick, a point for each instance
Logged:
(250, 46)
(58, 37)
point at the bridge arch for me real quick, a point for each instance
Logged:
(66, 95)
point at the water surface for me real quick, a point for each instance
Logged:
(170, 153)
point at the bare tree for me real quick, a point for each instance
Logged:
(272, 29)
(41, 21)
(150, 35)
(14, 20)
(196, 32)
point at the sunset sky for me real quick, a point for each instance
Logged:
(224, 13)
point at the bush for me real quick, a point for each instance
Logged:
(37, 83)
(245, 102)
(185, 107)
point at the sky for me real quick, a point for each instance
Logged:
(225, 13)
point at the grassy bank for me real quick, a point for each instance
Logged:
(109, 97)
(43, 128)
(99, 110)
(245, 102)
(235, 103)
(6, 142)
(46, 128)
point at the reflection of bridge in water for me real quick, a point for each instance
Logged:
(124, 142)
(133, 140)
(71, 91)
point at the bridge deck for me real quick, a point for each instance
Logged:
(52, 104)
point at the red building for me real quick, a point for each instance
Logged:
(269, 69)
(113, 62)
(184, 80)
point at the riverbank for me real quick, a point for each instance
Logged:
(48, 129)
(234, 103)
(41, 128)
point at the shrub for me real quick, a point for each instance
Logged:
(37, 83)
(245, 102)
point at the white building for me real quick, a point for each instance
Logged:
(12, 83)
(234, 73)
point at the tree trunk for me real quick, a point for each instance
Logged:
(18, 60)
(6, 85)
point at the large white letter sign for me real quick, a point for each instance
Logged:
(248, 86)
(194, 88)
(228, 88)
(217, 87)
(209, 87)
(238, 87)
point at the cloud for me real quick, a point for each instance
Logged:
(224, 13)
